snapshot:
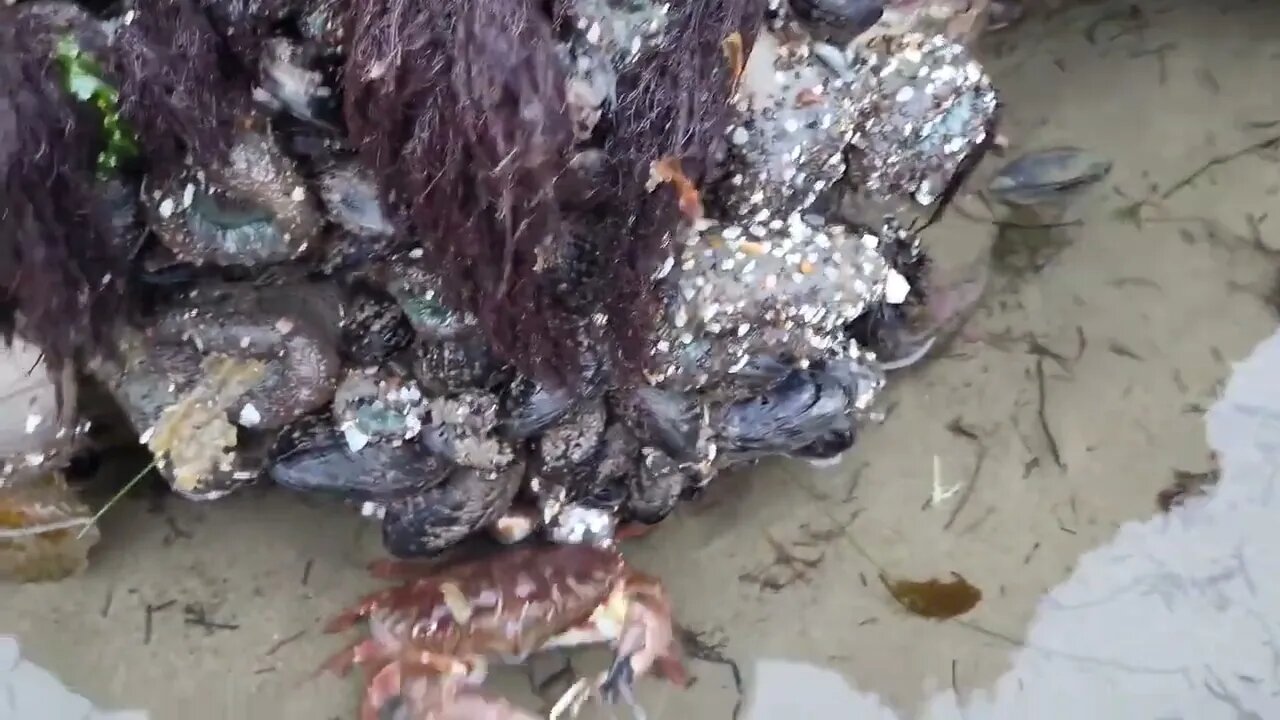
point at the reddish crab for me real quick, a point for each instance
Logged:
(430, 639)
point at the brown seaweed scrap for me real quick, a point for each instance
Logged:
(934, 599)
(194, 437)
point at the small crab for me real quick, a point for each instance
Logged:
(432, 637)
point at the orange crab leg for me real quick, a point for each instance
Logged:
(381, 689)
(668, 170)
(360, 652)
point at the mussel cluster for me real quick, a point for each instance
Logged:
(503, 265)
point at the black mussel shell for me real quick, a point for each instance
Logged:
(313, 456)
(834, 443)
(448, 366)
(654, 491)
(665, 419)
(800, 410)
(462, 429)
(373, 329)
(531, 407)
(849, 17)
(428, 523)
(620, 457)
(570, 452)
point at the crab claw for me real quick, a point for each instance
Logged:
(647, 644)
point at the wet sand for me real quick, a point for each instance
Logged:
(1090, 594)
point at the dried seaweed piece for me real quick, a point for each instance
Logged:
(1185, 485)
(45, 530)
(934, 599)
(193, 437)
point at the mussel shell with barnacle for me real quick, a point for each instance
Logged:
(407, 278)
(741, 294)
(146, 381)
(281, 344)
(926, 113)
(314, 455)
(604, 38)
(567, 457)
(374, 327)
(251, 210)
(469, 500)
(786, 145)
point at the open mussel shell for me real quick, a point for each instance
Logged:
(1047, 176)
(428, 523)
(313, 456)
(800, 410)
(45, 530)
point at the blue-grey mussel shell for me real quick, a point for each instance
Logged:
(531, 408)
(655, 490)
(463, 428)
(313, 456)
(1047, 175)
(569, 454)
(293, 329)
(428, 523)
(801, 410)
(665, 419)
(843, 18)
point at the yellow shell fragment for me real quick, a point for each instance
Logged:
(194, 436)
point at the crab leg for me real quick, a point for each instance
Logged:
(384, 686)
(361, 652)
